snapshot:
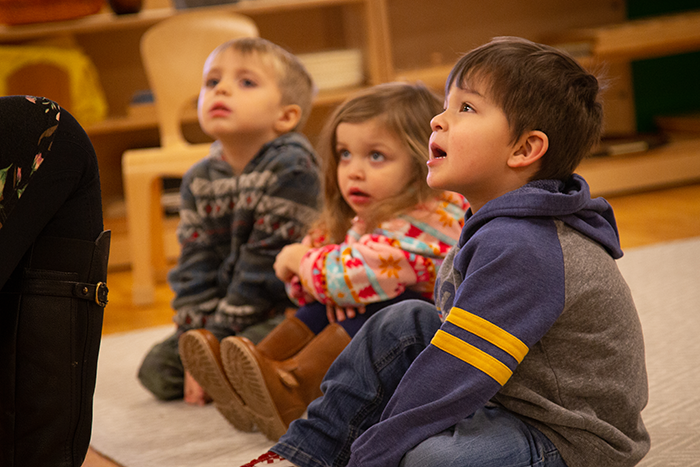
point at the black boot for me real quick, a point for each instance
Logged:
(51, 312)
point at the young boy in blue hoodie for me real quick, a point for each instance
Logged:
(533, 354)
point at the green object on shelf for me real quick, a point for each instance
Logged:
(664, 85)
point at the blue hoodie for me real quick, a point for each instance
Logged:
(537, 319)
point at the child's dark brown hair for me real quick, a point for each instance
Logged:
(539, 88)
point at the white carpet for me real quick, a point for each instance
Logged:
(665, 283)
(135, 430)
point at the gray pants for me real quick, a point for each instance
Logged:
(162, 372)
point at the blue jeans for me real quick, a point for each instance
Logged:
(363, 378)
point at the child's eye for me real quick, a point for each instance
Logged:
(377, 157)
(248, 83)
(344, 155)
(466, 107)
(211, 82)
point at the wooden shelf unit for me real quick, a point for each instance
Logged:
(112, 43)
(411, 40)
(615, 46)
(672, 164)
(638, 39)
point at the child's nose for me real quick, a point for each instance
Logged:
(222, 88)
(357, 171)
(437, 122)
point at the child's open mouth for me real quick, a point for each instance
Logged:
(437, 152)
(358, 196)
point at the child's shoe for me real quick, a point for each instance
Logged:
(277, 393)
(201, 356)
(269, 458)
(286, 339)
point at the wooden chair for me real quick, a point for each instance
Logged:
(173, 53)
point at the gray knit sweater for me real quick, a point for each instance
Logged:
(231, 228)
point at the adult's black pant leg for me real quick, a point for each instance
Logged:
(50, 330)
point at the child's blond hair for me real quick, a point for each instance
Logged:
(405, 110)
(295, 83)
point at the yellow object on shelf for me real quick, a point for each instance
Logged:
(87, 99)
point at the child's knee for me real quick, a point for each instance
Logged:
(161, 371)
(409, 316)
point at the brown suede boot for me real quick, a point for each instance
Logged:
(200, 354)
(286, 339)
(277, 393)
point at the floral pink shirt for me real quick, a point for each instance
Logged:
(403, 253)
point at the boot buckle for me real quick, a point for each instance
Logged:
(101, 293)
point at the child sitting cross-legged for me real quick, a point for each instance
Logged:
(533, 354)
(380, 239)
(256, 192)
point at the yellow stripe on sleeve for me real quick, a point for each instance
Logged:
(489, 332)
(471, 355)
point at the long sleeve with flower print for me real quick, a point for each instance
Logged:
(402, 253)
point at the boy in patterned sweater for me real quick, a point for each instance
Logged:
(255, 193)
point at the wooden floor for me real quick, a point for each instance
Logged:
(643, 219)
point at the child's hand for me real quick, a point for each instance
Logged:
(339, 313)
(288, 260)
(194, 393)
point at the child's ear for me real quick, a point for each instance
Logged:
(288, 119)
(529, 149)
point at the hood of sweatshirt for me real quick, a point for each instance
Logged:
(568, 201)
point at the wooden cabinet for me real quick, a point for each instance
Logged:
(614, 46)
(400, 39)
(426, 38)
(112, 43)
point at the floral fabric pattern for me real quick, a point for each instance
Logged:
(403, 253)
(16, 173)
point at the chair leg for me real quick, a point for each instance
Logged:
(138, 190)
(158, 260)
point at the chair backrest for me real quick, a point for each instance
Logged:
(173, 53)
